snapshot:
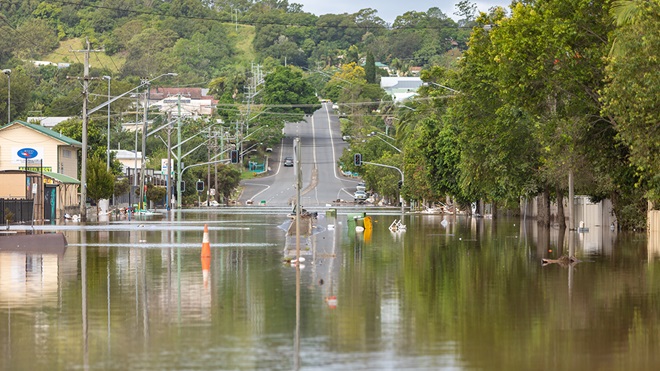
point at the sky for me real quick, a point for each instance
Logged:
(388, 10)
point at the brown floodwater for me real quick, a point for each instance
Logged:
(466, 294)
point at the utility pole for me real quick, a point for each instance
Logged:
(256, 79)
(208, 173)
(85, 120)
(169, 161)
(144, 146)
(178, 152)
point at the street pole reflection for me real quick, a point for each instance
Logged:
(108, 293)
(83, 274)
(296, 336)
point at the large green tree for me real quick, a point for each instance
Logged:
(632, 93)
(100, 182)
(288, 93)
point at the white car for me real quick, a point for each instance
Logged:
(360, 196)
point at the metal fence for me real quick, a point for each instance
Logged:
(16, 211)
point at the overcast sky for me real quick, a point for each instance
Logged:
(388, 10)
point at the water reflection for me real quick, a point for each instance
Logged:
(450, 292)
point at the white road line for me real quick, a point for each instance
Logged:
(332, 143)
(260, 192)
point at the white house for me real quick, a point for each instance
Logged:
(401, 88)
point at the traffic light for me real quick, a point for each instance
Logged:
(234, 156)
(183, 186)
(357, 159)
(200, 186)
(400, 184)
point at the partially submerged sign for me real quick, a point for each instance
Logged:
(48, 243)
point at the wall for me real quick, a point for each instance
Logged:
(18, 136)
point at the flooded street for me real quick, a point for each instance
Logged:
(469, 295)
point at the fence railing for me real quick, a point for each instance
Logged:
(16, 211)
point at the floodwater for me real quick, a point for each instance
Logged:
(471, 294)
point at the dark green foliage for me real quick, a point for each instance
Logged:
(100, 182)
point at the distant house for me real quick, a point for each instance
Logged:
(128, 159)
(192, 101)
(401, 88)
(384, 67)
(415, 71)
(49, 63)
(52, 159)
(48, 122)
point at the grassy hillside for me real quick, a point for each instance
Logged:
(244, 36)
(65, 53)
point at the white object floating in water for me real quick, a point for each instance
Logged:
(397, 226)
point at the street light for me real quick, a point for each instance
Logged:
(144, 135)
(107, 161)
(378, 134)
(86, 114)
(8, 73)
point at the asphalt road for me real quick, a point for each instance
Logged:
(321, 147)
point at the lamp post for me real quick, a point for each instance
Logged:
(144, 135)
(86, 114)
(107, 160)
(8, 73)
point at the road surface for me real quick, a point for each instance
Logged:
(321, 147)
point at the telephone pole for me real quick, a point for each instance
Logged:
(85, 119)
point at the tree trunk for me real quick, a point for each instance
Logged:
(561, 218)
(543, 217)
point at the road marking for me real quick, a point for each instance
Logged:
(332, 143)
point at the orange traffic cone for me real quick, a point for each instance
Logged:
(206, 245)
(206, 255)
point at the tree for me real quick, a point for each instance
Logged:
(290, 94)
(352, 55)
(228, 179)
(632, 93)
(21, 89)
(549, 58)
(370, 68)
(37, 38)
(100, 182)
(155, 193)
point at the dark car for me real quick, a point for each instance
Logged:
(288, 161)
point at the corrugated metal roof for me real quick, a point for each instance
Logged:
(45, 131)
(61, 178)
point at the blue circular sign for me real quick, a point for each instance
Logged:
(27, 153)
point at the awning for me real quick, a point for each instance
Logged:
(65, 179)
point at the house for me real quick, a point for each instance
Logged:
(31, 154)
(415, 71)
(128, 159)
(192, 101)
(48, 122)
(400, 88)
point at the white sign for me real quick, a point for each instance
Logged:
(163, 166)
(16, 159)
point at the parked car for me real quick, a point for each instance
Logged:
(288, 161)
(360, 196)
